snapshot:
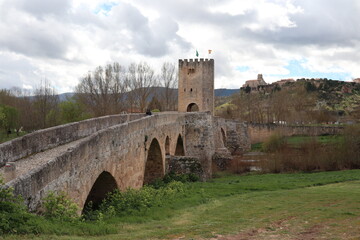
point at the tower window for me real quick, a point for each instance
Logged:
(191, 70)
(190, 89)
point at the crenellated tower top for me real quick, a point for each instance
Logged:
(196, 85)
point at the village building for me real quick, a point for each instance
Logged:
(255, 84)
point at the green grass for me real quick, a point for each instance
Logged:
(295, 141)
(289, 206)
(256, 147)
(4, 137)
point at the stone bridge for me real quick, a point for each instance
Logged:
(88, 159)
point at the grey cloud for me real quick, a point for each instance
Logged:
(323, 23)
(199, 13)
(40, 7)
(36, 39)
(13, 71)
(148, 38)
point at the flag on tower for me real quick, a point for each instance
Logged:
(197, 54)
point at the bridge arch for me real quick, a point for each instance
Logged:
(192, 107)
(104, 184)
(179, 149)
(154, 167)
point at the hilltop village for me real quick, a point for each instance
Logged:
(259, 84)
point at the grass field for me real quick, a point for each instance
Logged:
(324, 205)
(295, 141)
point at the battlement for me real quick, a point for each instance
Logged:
(196, 85)
(196, 60)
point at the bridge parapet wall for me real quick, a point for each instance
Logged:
(51, 137)
(120, 149)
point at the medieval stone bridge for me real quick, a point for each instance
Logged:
(87, 159)
(90, 158)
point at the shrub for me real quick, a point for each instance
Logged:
(134, 201)
(274, 143)
(13, 215)
(351, 146)
(60, 207)
(315, 156)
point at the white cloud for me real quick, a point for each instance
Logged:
(61, 40)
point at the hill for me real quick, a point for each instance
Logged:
(304, 101)
(221, 92)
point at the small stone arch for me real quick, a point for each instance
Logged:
(179, 149)
(192, 107)
(104, 184)
(154, 168)
(223, 136)
(167, 146)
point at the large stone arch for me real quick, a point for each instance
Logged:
(192, 107)
(154, 167)
(179, 149)
(104, 184)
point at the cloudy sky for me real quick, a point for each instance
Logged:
(61, 40)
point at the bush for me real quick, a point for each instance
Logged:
(133, 201)
(14, 217)
(315, 156)
(351, 146)
(274, 143)
(60, 207)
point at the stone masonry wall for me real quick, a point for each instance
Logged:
(185, 165)
(196, 84)
(199, 139)
(261, 132)
(51, 137)
(238, 140)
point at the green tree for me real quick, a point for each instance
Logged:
(310, 87)
(9, 118)
(72, 111)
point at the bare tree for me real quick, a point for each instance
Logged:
(28, 118)
(45, 105)
(141, 80)
(168, 79)
(102, 90)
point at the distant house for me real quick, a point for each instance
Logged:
(254, 84)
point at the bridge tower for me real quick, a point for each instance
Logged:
(196, 85)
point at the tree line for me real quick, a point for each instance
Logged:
(109, 89)
(297, 103)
